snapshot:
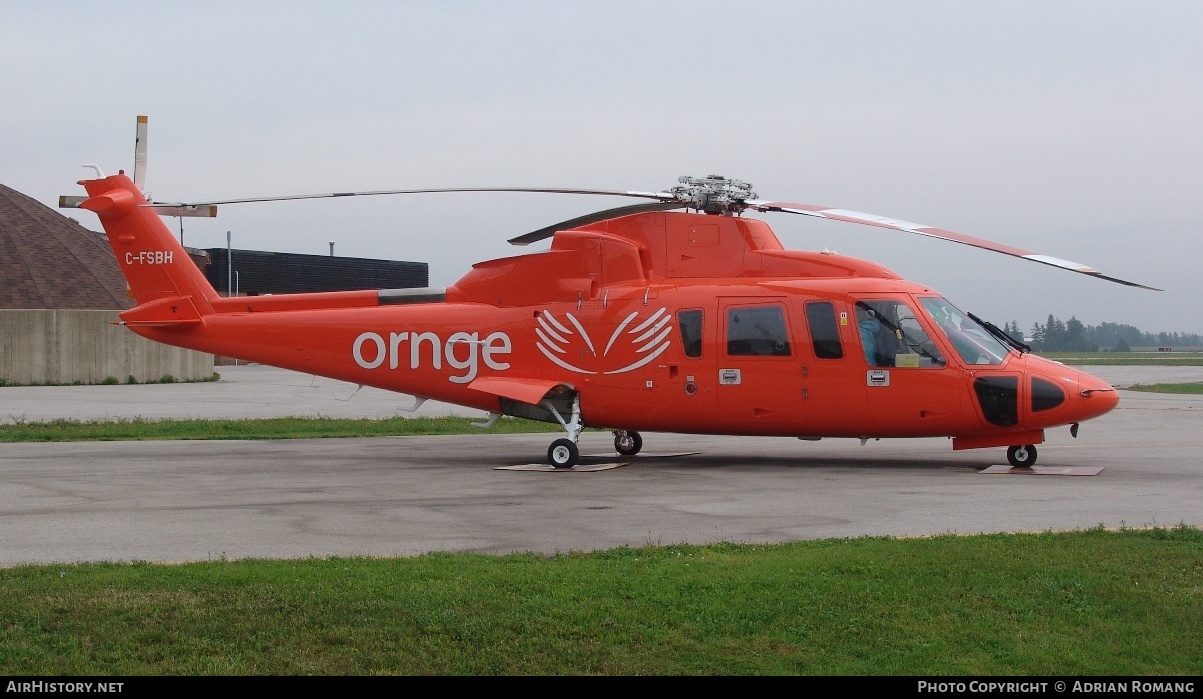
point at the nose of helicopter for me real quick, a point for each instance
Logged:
(1062, 394)
(1095, 397)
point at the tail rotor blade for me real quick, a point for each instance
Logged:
(140, 155)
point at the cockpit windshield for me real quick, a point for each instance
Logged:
(972, 341)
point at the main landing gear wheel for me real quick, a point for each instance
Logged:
(627, 442)
(563, 453)
(1022, 456)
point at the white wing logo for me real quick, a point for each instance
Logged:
(556, 337)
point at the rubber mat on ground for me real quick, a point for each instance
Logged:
(1044, 470)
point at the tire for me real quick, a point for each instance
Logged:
(627, 442)
(1022, 456)
(563, 453)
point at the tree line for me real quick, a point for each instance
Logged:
(1074, 336)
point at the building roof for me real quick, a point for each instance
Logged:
(50, 261)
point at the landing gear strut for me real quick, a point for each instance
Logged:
(563, 452)
(627, 442)
(1022, 456)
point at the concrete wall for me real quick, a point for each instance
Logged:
(66, 346)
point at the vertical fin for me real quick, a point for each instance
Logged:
(154, 263)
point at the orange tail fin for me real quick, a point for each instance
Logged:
(152, 260)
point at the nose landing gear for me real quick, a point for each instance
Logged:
(1021, 456)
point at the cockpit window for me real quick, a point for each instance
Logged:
(973, 342)
(891, 336)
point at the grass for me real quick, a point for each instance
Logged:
(1127, 358)
(113, 381)
(1184, 388)
(269, 428)
(1081, 603)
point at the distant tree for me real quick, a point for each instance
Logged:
(1037, 336)
(1073, 336)
(1053, 336)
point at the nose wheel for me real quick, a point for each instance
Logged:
(1022, 456)
(627, 442)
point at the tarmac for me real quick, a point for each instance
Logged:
(243, 392)
(172, 501)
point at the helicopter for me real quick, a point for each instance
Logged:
(677, 314)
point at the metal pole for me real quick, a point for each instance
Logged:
(236, 292)
(331, 248)
(229, 274)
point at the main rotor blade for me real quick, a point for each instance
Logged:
(663, 196)
(549, 231)
(931, 232)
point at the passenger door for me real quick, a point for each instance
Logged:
(759, 386)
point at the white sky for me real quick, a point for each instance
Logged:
(1073, 129)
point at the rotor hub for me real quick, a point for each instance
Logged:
(714, 194)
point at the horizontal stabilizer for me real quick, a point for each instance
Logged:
(175, 310)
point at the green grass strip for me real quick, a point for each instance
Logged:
(1082, 603)
(1189, 388)
(272, 428)
(1127, 358)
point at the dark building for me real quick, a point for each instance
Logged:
(257, 273)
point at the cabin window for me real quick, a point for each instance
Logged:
(824, 333)
(757, 331)
(891, 336)
(690, 324)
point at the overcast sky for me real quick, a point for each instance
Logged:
(1072, 129)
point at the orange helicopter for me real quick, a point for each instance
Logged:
(640, 318)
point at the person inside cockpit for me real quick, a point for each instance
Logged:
(876, 338)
